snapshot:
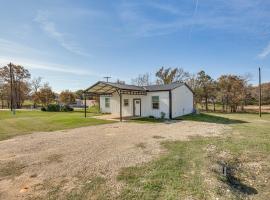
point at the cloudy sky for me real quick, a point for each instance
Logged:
(72, 44)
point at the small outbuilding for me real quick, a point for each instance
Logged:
(169, 101)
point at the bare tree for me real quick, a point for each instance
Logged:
(120, 82)
(36, 84)
(141, 80)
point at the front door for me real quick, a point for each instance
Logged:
(137, 107)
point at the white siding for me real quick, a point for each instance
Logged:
(182, 101)
(147, 109)
(146, 104)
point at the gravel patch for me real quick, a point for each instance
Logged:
(95, 151)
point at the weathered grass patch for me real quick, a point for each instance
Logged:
(11, 169)
(194, 169)
(141, 145)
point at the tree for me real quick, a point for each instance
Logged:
(169, 75)
(120, 82)
(16, 76)
(45, 95)
(67, 97)
(205, 87)
(35, 85)
(79, 94)
(233, 90)
(141, 80)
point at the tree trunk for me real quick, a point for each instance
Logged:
(206, 103)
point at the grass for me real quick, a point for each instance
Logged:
(193, 169)
(25, 122)
(212, 118)
(11, 169)
(141, 145)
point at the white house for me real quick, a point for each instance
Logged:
(170, 100)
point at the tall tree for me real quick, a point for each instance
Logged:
(233, 90)
(205, 87)
(169, 75)
(67, 97)
(45, 95)
(16, 76)
(35, 85)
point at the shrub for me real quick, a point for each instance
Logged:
(43, 109)
(66, 108)
(94, 109)
(162, 115)
(53, 108)
(151, 117)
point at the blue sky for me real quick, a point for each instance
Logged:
(72, 44)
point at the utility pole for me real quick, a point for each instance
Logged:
(260, 94)
(107, 78)
(11, 87)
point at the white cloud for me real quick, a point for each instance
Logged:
(237, 16)
(265, 52)
(50, 28)
(30, 64)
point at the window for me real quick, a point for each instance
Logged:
(107, 102)
(125, 102)
(155, 102)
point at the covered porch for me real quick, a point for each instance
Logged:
(108, 89)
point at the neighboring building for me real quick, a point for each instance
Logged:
(80, 103)
(171, 100)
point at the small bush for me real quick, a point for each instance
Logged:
(53, 108)
(162, 115)
(66, 108)
(151, 117)
(94, 109)
(43, 109)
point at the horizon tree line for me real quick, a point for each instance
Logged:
(231, 92)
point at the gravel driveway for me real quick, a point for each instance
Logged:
(30, 161)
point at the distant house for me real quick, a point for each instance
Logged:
(80, 103)
(170, 100)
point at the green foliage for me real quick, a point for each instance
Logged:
(57, 108)
(53, 108)
(43, 109)
(66, 108)
(94, 109)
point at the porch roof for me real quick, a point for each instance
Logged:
(108, 88)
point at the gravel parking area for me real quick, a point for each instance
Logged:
(28, 162)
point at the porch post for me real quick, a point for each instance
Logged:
(120, 106)
(84, 105)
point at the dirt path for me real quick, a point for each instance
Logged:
(29, 162)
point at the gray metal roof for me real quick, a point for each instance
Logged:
(163, 87)
(103, 87)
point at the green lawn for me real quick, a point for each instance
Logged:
(25, 122)
(194, 169)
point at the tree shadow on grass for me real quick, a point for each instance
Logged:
(210, 119)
